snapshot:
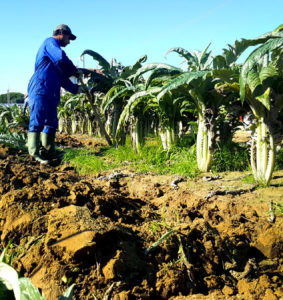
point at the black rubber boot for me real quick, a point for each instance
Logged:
(34, 146)
(49, 148)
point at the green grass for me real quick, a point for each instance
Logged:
(85, 161)
(230, 157)
(249, 179)
(179, 160)
(151, 159)
(279, 160)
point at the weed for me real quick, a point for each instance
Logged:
(249, 179)
(85, 161)
(183, 254)
(230, 157)
(14, 139)
(10, 252)
(279, 160)
(278, 207)
(152, 158)
(155, 226)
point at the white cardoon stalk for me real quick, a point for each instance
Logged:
(204, 152)
(61, 125)
(169, 136)
(74, 126)
(136, 133)
(263, 145)
(89, 128)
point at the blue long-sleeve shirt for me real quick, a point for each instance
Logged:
(52, 71)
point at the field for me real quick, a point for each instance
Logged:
(127, 235)
(173, 201)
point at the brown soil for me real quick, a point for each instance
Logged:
(94, 232)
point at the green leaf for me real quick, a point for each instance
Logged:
(117, 95)
(150, 67)
(161, 72)
(2, 256)
(164, 237)
(131, 70)
(141, 94)
(277, 60)
(227, 87)
(182, 52)
(181, 80)
(96, 56)
(205, 57)
(9, 277)
(265, 99)
(68, 294)
(278, 30)
(219, 62)
(123, 82)
(227, 75)
(234, 51)
(267, 72)
(134, 100)
(28, 290)
(254, 58)
(253, 80)
(259, 52)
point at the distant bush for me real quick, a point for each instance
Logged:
(14, 98)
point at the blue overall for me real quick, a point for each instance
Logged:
(52, 71)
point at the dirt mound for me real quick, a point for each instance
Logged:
(78, 140)
(103, 234)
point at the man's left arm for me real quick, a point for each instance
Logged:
(66, 66)
(59, 58)
(68, 85)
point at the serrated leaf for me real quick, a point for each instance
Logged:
(253, 60)
(225, 88)
(131, 70)
(277, 30)
(161, 72)
(181, 80)
(253, 80)
(68, 294)
(258, 53)
(96, 56)
(182, 52)
(267, 72)
(150, 67)
(9, 277)
(277, 60)
(116, 96)
(28, 290)
(265, 99)
(227, 75)
(219, 62)
(134, 100)
(234, 51)
(205, 57)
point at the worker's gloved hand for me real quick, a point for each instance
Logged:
(82, 89)
(92, 90)
(79, 73)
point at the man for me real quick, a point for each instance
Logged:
(52, 71)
